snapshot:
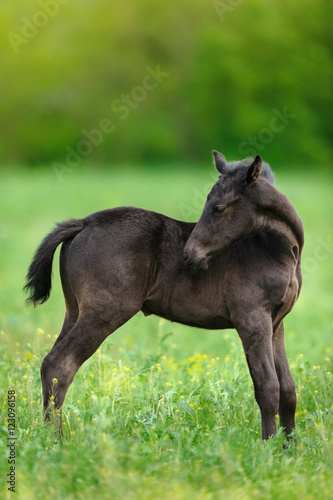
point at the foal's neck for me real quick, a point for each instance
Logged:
(278, 219)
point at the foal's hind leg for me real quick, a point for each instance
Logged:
(59, 367)
(72, 307)
(287, 406)
(69, 321)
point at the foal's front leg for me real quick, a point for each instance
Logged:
(287, 385)
(256, 332)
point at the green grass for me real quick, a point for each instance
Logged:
(160, 409)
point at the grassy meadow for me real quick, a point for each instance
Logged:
(160, 410)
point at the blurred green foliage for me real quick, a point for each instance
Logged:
(146, 81)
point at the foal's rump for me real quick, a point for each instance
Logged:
(110, 250)
(111, 258)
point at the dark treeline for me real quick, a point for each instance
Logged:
(146, 81)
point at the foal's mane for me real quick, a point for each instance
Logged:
(234, 168)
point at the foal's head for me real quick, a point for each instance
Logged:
(229, 213)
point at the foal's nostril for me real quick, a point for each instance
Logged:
(185, 256)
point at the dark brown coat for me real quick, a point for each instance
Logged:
(238, 267)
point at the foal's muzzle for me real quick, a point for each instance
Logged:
(194, 261)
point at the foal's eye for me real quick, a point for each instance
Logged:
(219, 209)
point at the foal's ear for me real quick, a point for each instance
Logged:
(220, 162)
(254, 170)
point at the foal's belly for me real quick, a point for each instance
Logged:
(197, 317)
(197, 307)
(194, 299)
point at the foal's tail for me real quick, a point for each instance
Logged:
(40, 270)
